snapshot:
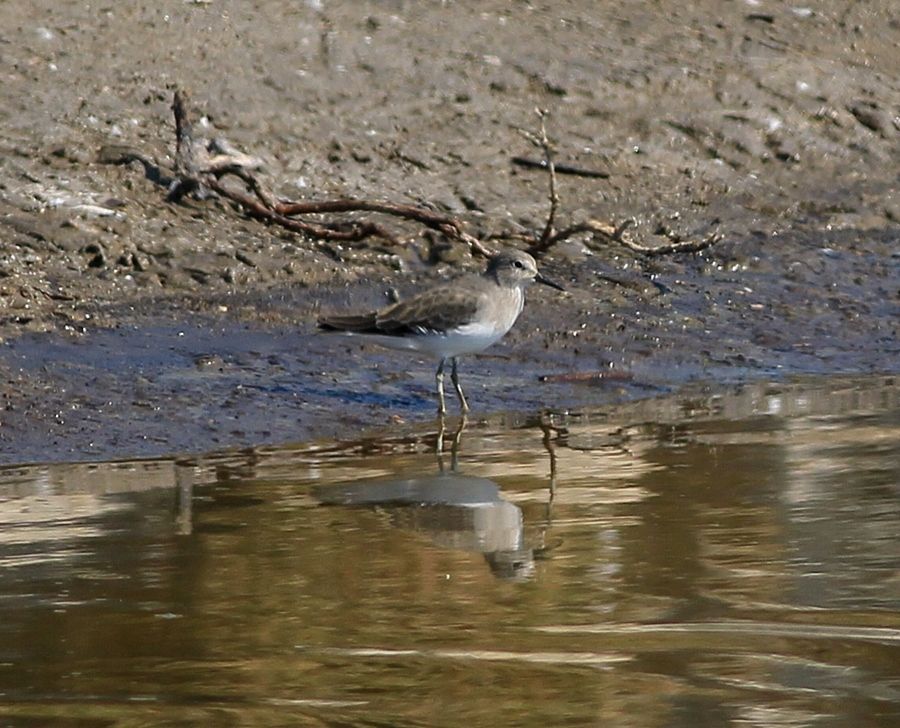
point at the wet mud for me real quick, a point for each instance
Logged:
(132, 326)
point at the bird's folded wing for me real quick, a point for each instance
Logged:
(356, 323)
(436, 311)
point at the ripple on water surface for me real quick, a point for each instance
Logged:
(732, 557)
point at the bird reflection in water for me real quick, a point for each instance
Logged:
(455, 510)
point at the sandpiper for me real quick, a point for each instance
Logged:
(464, 316)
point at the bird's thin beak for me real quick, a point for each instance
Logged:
(547, 282)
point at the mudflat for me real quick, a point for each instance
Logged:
(136, 326)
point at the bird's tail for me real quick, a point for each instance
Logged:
(364, 323)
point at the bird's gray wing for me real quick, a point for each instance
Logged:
(356, 323)
(437, 310)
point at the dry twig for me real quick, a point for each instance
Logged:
(201, 165)
(560, 168)
(618, 234)
(604, 230)
(541, 140)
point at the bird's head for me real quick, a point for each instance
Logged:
(517, 268)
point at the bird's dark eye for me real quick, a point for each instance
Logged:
(517, 263)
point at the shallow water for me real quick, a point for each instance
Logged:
(729, 559)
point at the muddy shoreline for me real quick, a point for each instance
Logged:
(135, 327)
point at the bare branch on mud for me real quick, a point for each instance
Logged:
(197, 160)
(541, 140)
(604, 230)
(346, 232)
(200, 165)
(184, 137)
(445, 224)
(618, 234)
(560, 168)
